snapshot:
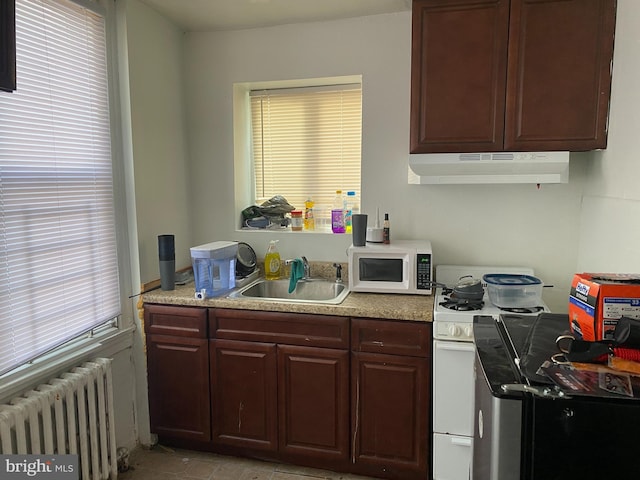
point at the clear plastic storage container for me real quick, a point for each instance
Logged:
(214, 268)
(513, 291)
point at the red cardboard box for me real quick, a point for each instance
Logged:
(598, 300)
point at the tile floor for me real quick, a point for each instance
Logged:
(164, 463)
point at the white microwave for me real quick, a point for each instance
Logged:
(403, 266)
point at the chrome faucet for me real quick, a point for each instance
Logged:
(305, 263)
(307, 268)
(338, 268)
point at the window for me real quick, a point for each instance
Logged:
(58, 261)
(306, 142)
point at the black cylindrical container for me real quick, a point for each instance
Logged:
(627, 333)
(167, 255)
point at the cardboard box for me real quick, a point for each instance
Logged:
(598, 300)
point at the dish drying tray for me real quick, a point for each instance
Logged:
(242, 281)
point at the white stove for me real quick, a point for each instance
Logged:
(453, 364)
(457, 325)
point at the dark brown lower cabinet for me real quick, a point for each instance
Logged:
(313, 416)
(390, 412)
(178, 372)
(280, 385)
(290, 399)
(390, 398)
(330, 392)
(244, 394)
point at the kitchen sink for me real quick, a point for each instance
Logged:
(307, 291)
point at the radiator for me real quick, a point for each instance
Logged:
(71, 414)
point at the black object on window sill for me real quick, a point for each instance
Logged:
(7, 45)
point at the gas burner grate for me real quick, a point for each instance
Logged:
(462, 305)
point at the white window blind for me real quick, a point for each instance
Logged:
(58, 260)
(306, 142)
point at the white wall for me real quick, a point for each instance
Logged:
(159, 140)
(499, 225)
(588, 225)
(158, 143)
(610, 220)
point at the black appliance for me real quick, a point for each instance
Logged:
(525, 428)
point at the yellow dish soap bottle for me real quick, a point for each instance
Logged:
(272, 262)
(309, 221)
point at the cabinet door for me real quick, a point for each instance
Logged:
(178, 377)
(559, 77)
(390, 412)
(313, 389)
(458, 75)
(244, 394)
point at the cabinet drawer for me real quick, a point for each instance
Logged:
(391, 337)
(175, 321)
(276, 327)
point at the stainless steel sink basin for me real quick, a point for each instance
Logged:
(307, 291)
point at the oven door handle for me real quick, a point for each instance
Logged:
(455, 346)
(461, 441)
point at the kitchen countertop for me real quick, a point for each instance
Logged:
(371, 305)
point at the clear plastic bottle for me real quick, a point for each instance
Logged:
(337, 213)
(272, 262)
(352, 206)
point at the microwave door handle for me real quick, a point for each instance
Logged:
(409, 270)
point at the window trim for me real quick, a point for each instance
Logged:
(244, 189)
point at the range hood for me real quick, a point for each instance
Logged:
(487, 168)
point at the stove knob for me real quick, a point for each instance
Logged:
(468, 331)
(454, 330)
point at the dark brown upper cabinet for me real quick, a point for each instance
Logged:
(510, 75)
(7, 45)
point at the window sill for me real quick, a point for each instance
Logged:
(318, 231)
(106, 342)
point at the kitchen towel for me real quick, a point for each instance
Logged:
(297, 272)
